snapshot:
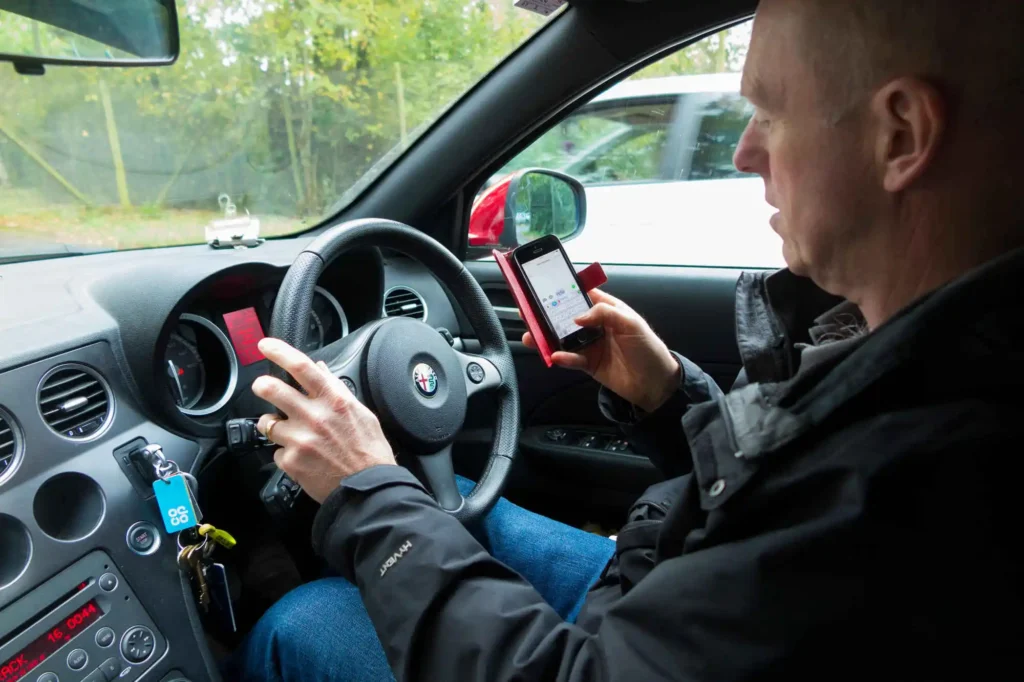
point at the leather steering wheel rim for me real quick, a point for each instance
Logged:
(294, 300)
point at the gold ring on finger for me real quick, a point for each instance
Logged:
(270, 430)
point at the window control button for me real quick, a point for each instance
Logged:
(556, 435)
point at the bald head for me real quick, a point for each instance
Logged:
(971, 51)
(888, 136)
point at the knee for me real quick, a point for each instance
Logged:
(314, 628)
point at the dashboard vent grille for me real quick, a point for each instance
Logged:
(75, 402)
(404, 302)
(9, 446)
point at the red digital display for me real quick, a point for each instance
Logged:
(245, 331)
(33, 655)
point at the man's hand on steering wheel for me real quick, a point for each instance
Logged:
(328, 434)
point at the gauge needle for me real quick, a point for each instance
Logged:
(172, 369)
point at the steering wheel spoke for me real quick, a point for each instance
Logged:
(479, 373)
(440, 476)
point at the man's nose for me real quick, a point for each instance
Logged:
(751, 155)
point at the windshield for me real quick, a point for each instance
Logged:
(277, 111)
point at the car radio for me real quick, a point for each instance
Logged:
(83, 625)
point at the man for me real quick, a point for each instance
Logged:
(849, 512)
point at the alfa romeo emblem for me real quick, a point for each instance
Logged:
(425, 379)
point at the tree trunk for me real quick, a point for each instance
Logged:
(35, 156)
(721, 57)
(115, 147)
(401, 106)
(162, 196)
(293, 151)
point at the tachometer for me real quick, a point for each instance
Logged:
(185, 369)
(314, 333)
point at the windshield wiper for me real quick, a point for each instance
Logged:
(29, 252)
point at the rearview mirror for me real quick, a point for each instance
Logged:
(525, 205)
(87, 33)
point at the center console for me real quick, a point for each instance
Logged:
(85, 624)
(90, 589)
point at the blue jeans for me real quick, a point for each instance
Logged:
(321, 631)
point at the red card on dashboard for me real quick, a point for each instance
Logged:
(590, 277)
(245, 331)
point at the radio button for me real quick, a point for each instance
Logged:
(48, 677)
(137, 644)
(108, 582)
(104, 637)
(111, 669)
(77, 659)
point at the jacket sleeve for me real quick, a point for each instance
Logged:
(444, 609)
(658, 434)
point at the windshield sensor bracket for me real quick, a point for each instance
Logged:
(235, 242)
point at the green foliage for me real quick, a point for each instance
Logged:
(285, 105)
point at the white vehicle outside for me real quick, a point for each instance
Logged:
(655, 157)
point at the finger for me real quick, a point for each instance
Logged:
(280, 459)
(280, 395)
(287, 432)
(598, 296)
(528, 340)
(602, 314)
(263, 425)
(336, 384)
(296, 363)
(568, 360)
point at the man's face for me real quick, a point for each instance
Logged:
(816, 173)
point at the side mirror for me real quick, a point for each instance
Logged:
(525, 205)
(88, 33)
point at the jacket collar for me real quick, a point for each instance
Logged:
(774, 313)
(973, 319)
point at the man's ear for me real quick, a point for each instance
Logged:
(911, 117)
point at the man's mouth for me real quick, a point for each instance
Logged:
(774, 220)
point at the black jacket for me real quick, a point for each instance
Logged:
(854, 520)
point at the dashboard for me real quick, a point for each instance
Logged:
(102, 353)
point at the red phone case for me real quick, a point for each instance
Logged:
(590, 277)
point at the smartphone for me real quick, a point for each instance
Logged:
(556, 291)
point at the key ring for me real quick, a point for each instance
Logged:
(164, 468)
(199, 546)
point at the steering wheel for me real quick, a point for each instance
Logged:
(405, 371)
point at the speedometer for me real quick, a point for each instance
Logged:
(185, 369)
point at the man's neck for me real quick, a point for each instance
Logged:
(924, 264)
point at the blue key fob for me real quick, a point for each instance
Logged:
(175, 502)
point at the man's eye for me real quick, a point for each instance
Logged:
(761, 121)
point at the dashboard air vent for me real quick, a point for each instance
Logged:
(10, 446)
(404, 302)
(75, 401)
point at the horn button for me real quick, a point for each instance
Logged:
(416, 383)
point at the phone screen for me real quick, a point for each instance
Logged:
(557, 292)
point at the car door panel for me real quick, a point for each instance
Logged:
(690, 308)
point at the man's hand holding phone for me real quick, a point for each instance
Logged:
(629, 359)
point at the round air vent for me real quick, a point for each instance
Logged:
(10, 445)
(404, 302)
(75, 402)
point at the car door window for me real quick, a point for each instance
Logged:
(722, 121)
(654, 154)
(604, 142)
